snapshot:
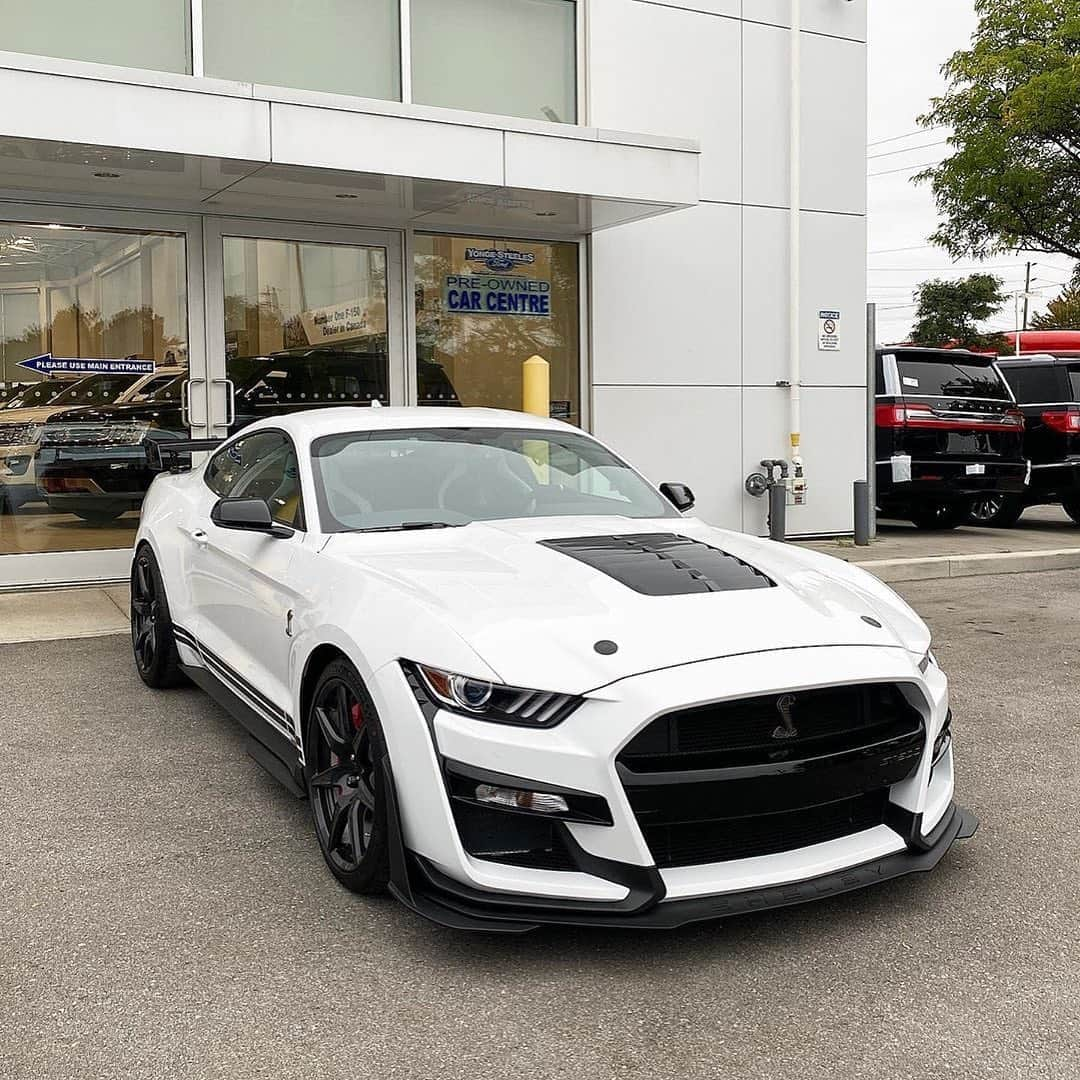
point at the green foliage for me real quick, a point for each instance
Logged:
(949, 312)
(1013, 104)
(1062, 313)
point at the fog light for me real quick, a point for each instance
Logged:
(539, 801)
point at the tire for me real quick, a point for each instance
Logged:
(937, 516)
(153, 644)
(995, 511)
(98, 517)
(1072, 507)
(345, 750)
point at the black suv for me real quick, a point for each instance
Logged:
(1047, 389)
(99, 465)
(948, 432)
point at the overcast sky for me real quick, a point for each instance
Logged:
(909, 41)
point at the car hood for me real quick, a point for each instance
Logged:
(534, 613)
(34, 414)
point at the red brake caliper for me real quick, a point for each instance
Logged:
(357, 715)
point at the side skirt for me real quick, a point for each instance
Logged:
(266, 746)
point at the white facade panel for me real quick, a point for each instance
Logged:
(766, 108)
(362, 142)
(839, 18)
(833, 446)
(666, 300)
(669, 70)
(834, 279)
(730, 8)
(601, 169)
(89, 111)
(687, 435)
(765, 284)
(833, 125)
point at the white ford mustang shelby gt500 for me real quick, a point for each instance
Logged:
(519, 685)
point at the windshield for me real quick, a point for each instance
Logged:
(922, 378)
(39, 393)
(453, 476)
(95, 390)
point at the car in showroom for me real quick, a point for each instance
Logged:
(99, 464)
(948, 434)
(520, 685)
(1047, 390)
(21, 424)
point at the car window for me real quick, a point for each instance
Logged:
(453, 476)
(259, 466)
(1039, 383)
(1074, 383)
(95, 390)
(148, 389)
(39, 393)
(955, 379)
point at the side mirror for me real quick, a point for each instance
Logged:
(248, 515)
(679, 495)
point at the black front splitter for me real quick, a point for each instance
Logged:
(421, 886)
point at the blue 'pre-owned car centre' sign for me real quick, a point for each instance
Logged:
(496, 294)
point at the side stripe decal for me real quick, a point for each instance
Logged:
(275, 717)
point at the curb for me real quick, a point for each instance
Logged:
(953, 566)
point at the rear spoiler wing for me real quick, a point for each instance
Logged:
(173, 450)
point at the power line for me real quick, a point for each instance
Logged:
(897, 138)
(913, 247)
(909, 169)
(906, 150)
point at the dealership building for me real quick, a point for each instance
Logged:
(206, 203)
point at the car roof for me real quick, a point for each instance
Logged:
(314, 423)
(1036, 360)
(945, 355)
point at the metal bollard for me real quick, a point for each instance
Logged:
(778, 511)
(862, 513)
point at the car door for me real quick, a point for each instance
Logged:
(240, 580)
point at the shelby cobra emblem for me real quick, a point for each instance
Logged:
(786, 728)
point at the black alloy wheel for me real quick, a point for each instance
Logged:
(995, 511)
(152, 642)
(345, 751)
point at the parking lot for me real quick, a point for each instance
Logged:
(165, 911)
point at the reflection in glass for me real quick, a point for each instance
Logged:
(91, 322)
(483, 307)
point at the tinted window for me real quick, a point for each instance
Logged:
(1074, 383)
(39, 393)
(964, 379)
(1038, 383)
(259, 466)
(96, 390)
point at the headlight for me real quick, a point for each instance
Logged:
(928, 659)
(19, 434)
(496, 702)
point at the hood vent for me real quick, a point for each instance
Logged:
(662, 564)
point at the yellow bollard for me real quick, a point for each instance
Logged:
(536, 399)
(536, 386)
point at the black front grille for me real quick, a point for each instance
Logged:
(691, 843)
(773, 727)
(761, 775)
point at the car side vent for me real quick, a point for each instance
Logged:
(662, 564)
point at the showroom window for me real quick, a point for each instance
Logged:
(508, 57)
(341, 46)
(153, 34)
(483, 307)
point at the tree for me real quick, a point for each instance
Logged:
(1063, 313)
(949, 312)
(1013, 104)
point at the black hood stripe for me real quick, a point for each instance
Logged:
(662, 564)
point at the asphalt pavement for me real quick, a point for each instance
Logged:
(164, 911)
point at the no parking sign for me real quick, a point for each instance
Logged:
(828, 331)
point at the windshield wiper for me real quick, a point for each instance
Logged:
(409, 525)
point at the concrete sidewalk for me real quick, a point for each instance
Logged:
(1046, 538)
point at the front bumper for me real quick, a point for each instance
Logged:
(612, 877)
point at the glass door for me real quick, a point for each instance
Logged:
(97, 363)
(301, 317)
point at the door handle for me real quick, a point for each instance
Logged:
(200, 537)
(230, 399)
(185, 403)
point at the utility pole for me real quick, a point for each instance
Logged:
(1027, 293)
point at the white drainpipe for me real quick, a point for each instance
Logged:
(795, 250)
